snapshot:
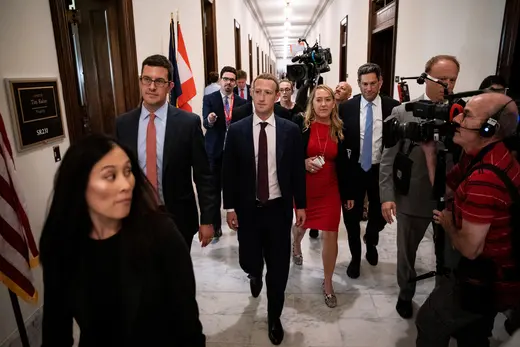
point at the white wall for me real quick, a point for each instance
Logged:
(226, 12)
(152, 35)
(468, 29)
(28, 52)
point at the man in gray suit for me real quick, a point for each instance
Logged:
(413, 210)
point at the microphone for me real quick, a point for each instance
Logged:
(295, 59)
(456, 125)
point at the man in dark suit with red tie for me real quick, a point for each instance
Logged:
(363, 117)
(217, 113)
(263, 176)
(170, 147)
(243, 89)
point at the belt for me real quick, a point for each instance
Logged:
(268, 203)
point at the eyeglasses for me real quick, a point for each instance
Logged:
(266, 92)
(285, 90)
(159, 83)
(227, 79)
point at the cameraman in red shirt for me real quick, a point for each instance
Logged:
(479, 225)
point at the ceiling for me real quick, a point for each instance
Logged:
(273, 15)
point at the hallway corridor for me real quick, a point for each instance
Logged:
(365, 315)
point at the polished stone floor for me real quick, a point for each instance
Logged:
(365, 315)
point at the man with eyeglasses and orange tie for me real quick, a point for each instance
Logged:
(169, 144)
(217, 113)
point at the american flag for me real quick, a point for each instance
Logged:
(18, 251)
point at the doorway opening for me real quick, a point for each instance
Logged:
(250, 59)
(97, 59)
(382, 39)
(343, 49)
(209, 38)
(238, 47)
(257, 60)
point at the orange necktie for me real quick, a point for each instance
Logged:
(242, 93)
(151, 152)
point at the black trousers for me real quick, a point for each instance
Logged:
(368, 184)
(267, 236)
(216, 170)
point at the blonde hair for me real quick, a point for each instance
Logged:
(336, 124)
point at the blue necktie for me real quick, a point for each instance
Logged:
(226, 108)
(366, 158)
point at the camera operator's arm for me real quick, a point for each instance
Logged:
(386, 172)
(469, 240)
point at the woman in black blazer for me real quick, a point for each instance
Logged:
(110, 260)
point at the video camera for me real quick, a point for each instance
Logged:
(434, 120)
(312, 62)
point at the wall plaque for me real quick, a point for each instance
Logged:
(36, 112)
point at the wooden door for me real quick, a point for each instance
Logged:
(95, 42)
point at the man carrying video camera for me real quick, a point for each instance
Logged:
(412, 205)
(482, 223)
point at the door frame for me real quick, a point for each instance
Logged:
(67, 66)
(394, 40)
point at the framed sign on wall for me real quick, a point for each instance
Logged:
(36, 113)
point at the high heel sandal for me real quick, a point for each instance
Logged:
(297, 258)
(330, 299)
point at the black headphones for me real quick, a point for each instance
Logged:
(489, 128)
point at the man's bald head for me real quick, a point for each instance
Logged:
(343, 92)
(488, 105)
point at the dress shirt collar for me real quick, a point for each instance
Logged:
(270, 120)
(161, 113)
(224, 95)
(375, 103)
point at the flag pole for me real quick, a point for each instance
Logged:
(19, 319)
(177, 35)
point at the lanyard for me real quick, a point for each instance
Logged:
(229, 110)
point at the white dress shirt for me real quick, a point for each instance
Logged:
(377, 128)
(270, 129)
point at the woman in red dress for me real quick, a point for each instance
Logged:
(326, 164)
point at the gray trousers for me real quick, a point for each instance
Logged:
(410, 232)
(441, 318)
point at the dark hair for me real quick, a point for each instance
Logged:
(68, 223)
(367, 68)
(268, 77)
(213, 77)
(228, 69)
(434, 60)
(493, 79)
(241, 74)
(160, 61)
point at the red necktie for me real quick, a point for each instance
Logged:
(242, 93)
(262, 189)
(151, 151)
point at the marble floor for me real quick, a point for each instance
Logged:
(365, 315)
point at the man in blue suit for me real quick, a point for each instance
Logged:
(263, 176)
(217, 112)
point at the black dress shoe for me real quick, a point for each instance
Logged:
(255, 283)
(353, 269)
(275, 331)
(372, 255)
(404, 308)
(313, 233)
